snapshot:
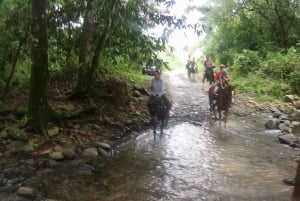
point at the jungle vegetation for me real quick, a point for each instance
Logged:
(258, 40)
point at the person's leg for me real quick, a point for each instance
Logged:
(150, 102)
(166, 101)
(216, 90)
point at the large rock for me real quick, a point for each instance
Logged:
(90, 152)
(297, 104)
(287, 139)
(271, 123)
(14, 133)
(295, 116)
(56, 155)
(27, 192)
(289, 98)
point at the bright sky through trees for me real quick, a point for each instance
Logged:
(184, 38)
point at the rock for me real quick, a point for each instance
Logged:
(287, 139)
(103, 145)
(26, 192)
(295, 116)
(4, 134)
(68, 107)
(58, 148)
(284, 117)
(136, 94)
(53, 131)
(289, 98)
(69, 153)
(14, 133)
(28, 148)
(104, 152)
(90, 152)
(56, 155)
(295, 123)
(276, 115)
(271, 124)
(284, 128)
(297, 104)
(275, 110)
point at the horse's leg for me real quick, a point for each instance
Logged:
(220, 114)
(154, 124)
(162, 127)
(214, 110)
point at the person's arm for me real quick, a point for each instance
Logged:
(151, 86)
(163, 88)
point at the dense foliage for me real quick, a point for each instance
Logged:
(258, 40)
(44, 38)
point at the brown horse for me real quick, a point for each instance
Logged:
(223, 101)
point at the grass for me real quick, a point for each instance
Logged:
(127, 75)
(262, 89)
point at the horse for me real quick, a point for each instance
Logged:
(191, 70)
(159, 114)
(223, 100)
(191, 73)
(208, 75)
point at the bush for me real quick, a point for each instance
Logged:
(246, 62)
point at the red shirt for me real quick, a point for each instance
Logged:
(208, 63)
(218, 77)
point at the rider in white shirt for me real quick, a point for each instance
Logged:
(158, 90)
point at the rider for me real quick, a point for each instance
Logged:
(158, 90)
(208, 64)
(194, 65)
(220, 77)
(188, 62)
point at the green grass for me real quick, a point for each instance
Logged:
(262, 89)
(127, 75)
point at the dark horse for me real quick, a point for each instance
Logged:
(209, 75)
(223, 100)
(159, 114)
(191, 72)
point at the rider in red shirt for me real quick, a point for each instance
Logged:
(222, 74)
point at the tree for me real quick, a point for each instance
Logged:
(39, 111)
(122, 25)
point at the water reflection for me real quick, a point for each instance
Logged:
(192, 163)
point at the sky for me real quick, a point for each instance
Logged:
(181, 38)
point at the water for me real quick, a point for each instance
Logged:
(190, 163)
(196, 159)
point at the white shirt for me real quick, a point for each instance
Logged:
(157, 87)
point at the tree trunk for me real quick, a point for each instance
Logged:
(102, 41)
(86, 40)
(39, 110)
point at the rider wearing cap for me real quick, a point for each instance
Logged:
(220, 77)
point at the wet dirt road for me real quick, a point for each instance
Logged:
(196, 159)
